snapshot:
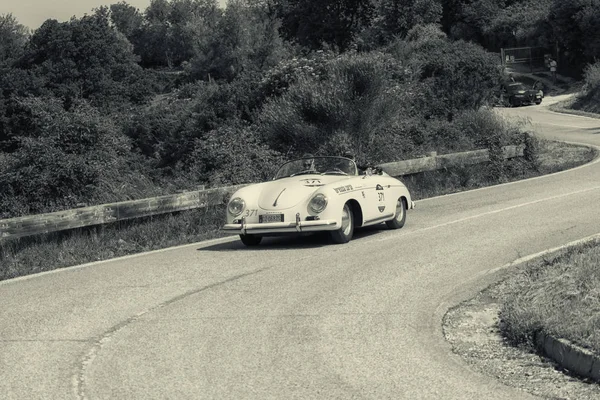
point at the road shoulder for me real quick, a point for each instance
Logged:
(473, 330)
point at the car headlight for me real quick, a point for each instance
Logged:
(318, 203)
(236, 206)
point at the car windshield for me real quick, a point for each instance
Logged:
(517, 86)
(317, 165)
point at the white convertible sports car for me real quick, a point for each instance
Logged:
(317, 194)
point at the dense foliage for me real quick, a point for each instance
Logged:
(571, 26)
(127, 103)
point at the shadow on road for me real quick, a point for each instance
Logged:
(301, 241)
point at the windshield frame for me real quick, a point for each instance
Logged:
(323, 165)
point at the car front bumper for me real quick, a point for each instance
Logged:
(297, 226)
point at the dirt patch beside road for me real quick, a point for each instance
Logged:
(472, 328)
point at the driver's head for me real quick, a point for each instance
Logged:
(308, 161)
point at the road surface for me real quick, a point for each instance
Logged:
(293, 318)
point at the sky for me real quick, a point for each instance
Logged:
(32, 13)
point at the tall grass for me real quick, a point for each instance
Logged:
(588, 100)
(41, 253)
(558, 296)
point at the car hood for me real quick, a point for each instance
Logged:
(289, 192)
(526, 91)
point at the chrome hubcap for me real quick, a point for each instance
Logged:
(399, 210)
(346, 220)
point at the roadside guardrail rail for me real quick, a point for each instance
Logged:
(126, 210)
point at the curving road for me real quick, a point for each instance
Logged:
(293, 319)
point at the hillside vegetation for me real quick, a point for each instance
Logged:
(126, 103)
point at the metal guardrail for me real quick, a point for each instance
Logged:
(434, 161)
(113, 212)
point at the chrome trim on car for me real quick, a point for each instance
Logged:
(379, 219)
(278, 196)
(280, 227)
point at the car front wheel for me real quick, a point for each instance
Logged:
(344, 234)
(400, 217)
(251, 240)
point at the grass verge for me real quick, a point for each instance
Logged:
(552, 157)
(30, 255)
(41, 253)
(558, 295)
(577, 105)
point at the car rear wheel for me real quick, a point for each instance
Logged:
(400, 217)
(344, 234)
(251, 240)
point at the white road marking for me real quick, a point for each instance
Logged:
(565, 126)
(90, 264)
(491, 213)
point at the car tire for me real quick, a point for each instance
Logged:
(399, 217)
(251, 240)
(344, 234)
(512, 102)
(538, 102)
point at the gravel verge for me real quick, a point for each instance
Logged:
(472, 328)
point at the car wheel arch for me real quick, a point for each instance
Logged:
(405, 200)
(399, 218)
(357, 211)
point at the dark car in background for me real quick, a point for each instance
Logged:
(517, 94)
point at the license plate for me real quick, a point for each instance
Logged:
(270, 218)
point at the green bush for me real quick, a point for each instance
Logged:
(231, 155)
(359, 96)
(487, 130)
(279, 78)
(592, 81)
(69, 158)
(385, 107)
(455, 75)
(166, 130)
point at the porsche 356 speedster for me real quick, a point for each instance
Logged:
(317, 194)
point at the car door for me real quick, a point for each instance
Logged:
(377, 200)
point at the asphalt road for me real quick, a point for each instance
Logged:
(293, 319)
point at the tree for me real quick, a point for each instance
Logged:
(246, 39)
(14, 37)
(456, 75)
(68, 157)
(85, 58)
(394, 18)
(359, 96)
(576, 27)
(313, 23)
(127, 19)
(173, 32)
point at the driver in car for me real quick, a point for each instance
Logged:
(363, 169)
(308, 163)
